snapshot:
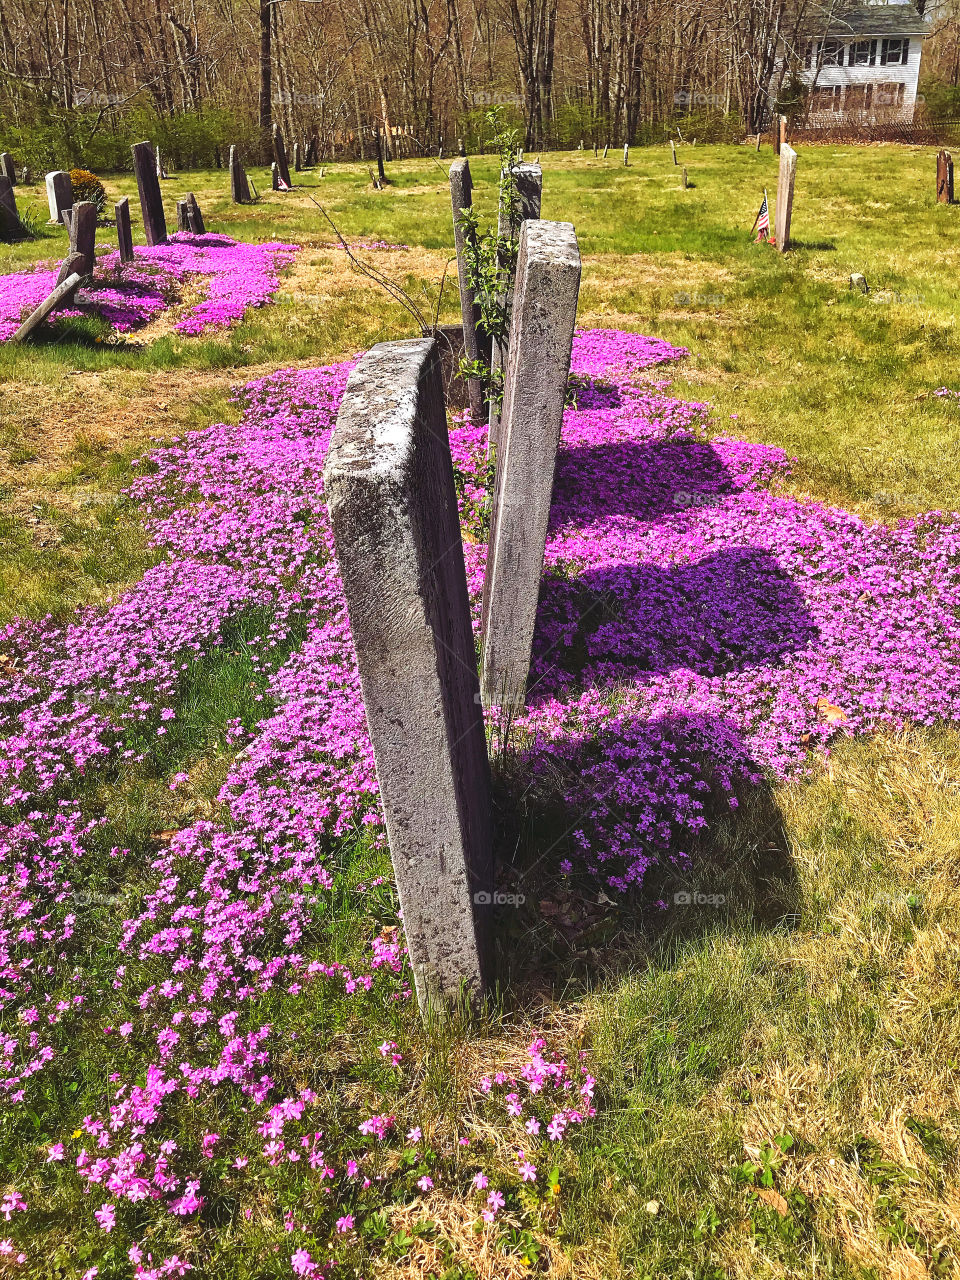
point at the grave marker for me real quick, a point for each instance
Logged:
(538, 365)
(83, 235)
(673, 148)
(59, 194)
(626, 154)
(785, 185)
(390, 492)
(195, 221)
(683, 178)
(121, 213)
(60, 295)
(297, 166)
(529, 183)
(183, 216)
(275, 176)
(944, 177)
(239, 185)
(461, 198)
(72, 264)
(148, 186)
(7, 168)
(280, 156)
(10, 223)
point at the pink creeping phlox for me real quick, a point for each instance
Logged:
(237, 275)
(692, 617)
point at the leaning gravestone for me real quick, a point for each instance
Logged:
(7, 168)
(59, 194)
(538, 365)
(280, 156)
(151, 201)
(61, 294)
(388, 481)
(785, 185)
(10, 225)
(121, 211)
(461, 196)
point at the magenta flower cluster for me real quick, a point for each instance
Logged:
(237, 276)
(694, 623)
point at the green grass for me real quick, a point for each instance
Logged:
(777, 1075)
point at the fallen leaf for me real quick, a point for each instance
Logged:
(774, 1199)
(164, 836)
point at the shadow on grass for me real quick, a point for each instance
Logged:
(677, 813)
(621, 842)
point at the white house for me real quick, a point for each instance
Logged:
(863, 63)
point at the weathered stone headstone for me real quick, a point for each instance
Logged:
(606, 148)
(785, 185)
(673, 148)
(26, 177)
(528, 179)
(389, 488)
(195, 221)
(626, 154)
(8, 201)
(280, 156)
(161, 171)
(83, 235)
(183, 217)
(59, 194)
(461, 197)
(782, 134)
(275, 176)
(683, 177)
(538, 365)
(121, 211)
(461, 149)
(297, 166)
(10, 225)
(944, 177)
(148, 186)
(7, 168)
(73, 264)
(239, 184)
(60, 295)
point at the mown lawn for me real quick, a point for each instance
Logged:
(777, 1075)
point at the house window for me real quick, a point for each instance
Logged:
(895, 53)
(833, 53)
(889, 94)
(863, 53)
(858, 97)
(827, 97)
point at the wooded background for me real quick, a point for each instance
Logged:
(80, 78)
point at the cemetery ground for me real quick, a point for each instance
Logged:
(776, 1068)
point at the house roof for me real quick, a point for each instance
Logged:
(870, 20)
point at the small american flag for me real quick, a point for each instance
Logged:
(762, 220)
(282, 186)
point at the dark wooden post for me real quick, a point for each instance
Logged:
(944, 177)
